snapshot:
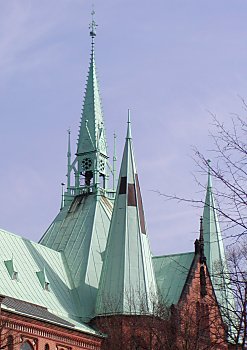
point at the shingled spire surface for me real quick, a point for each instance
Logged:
(127, 284)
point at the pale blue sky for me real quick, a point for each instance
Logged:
(168, 61)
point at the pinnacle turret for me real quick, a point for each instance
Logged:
(127, 284)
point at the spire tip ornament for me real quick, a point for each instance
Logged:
(92, 26)
(209, 173)
(129, 136)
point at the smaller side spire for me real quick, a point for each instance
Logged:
(215, 253)
(214, 248)
(127, 284)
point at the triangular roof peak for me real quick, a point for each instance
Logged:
(127, 283)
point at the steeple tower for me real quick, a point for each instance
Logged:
(91, 164)
(81, 228)
(127, 284)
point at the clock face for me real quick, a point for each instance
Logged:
(86, 164)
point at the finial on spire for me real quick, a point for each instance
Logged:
(92, 26)
(129, 126)
(209, 173)
(208, 163)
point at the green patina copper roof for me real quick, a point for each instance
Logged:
(92, 130)
(29, 258)
(80, 232)
(171, 272)
(213, 245)
(91, 165)
(127, 283)
(215, 252)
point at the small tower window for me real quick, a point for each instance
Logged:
(47, 347)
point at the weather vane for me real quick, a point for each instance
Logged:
(93, 26)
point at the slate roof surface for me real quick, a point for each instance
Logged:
(171, 272)
(36, 311)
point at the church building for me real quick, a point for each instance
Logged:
(91, 282)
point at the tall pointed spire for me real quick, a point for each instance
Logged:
(81, 228)
(91, 163)
(215, 253)
(213, 242)
(127, 284)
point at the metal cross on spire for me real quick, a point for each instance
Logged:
(92, 26)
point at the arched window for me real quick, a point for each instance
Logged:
(26, 346)
(47, 347)
(10, 342)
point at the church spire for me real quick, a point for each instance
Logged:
(91, 163)
(127, 284)
(215, 254)
(214, 248)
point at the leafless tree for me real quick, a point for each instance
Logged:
(228, 170)
(234, 276)
(191, 325)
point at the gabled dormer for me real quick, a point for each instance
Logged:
(43, 279)
(11, 268)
